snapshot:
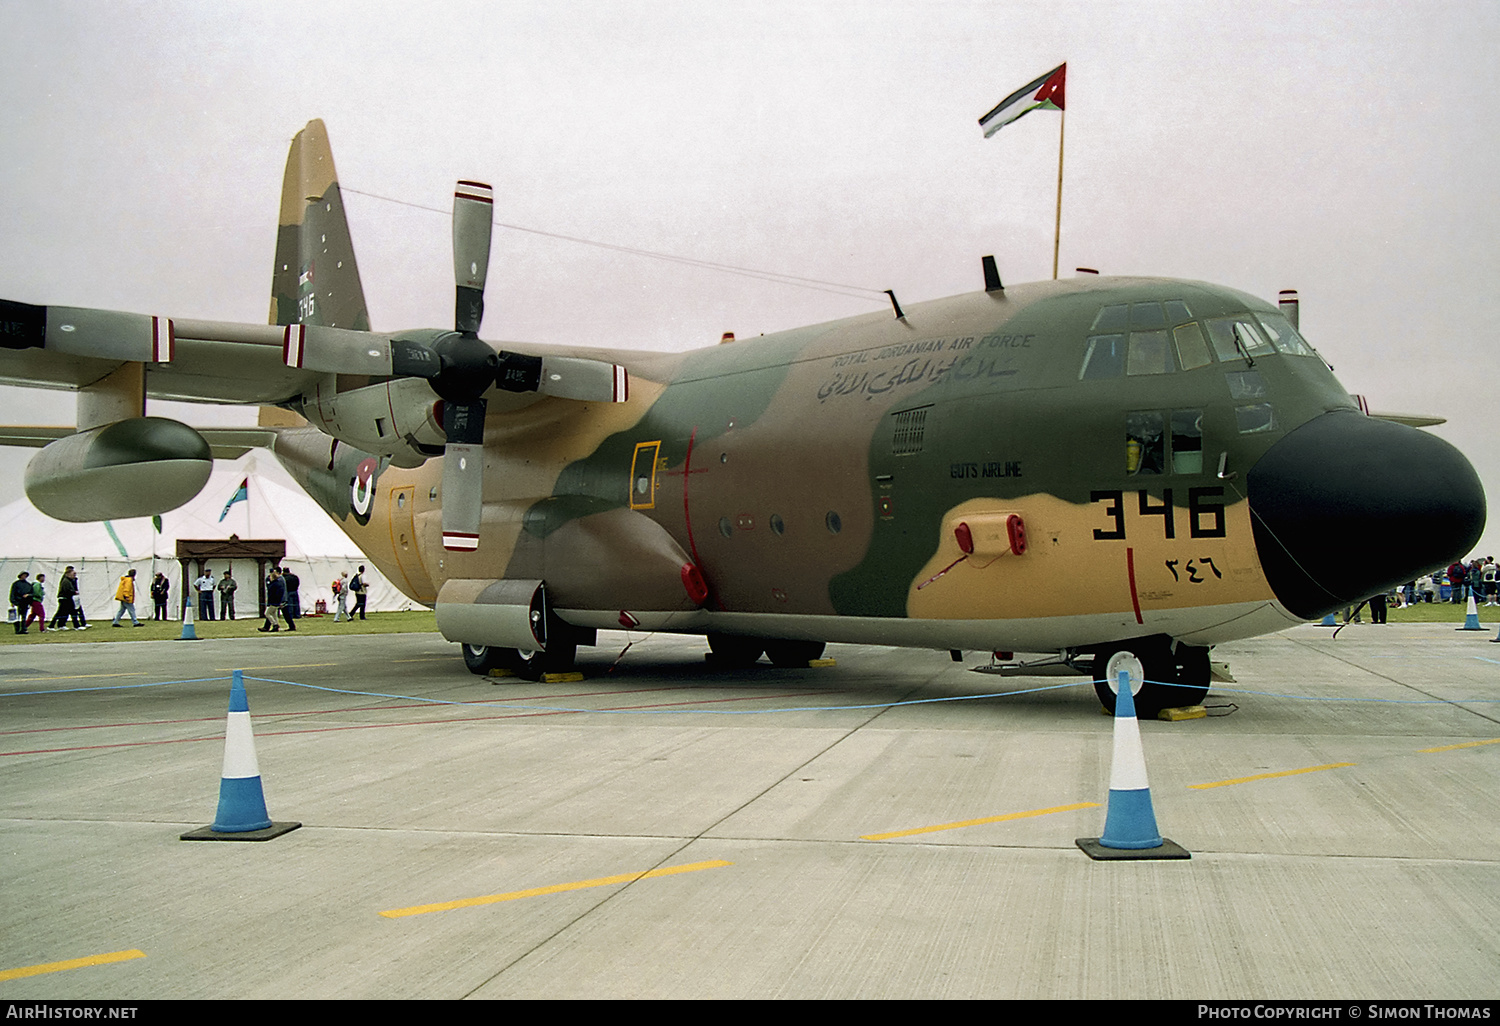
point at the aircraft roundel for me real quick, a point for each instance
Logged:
(362, 490)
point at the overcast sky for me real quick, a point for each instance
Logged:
(1348, 150)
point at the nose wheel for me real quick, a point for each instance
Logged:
(1160, 678)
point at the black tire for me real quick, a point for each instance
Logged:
(1170, 679)
(734, 652)
(559, 658)
(1194, 673)
(481, 659)
(794, 653)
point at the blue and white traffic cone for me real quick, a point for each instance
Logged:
(189, 631)
(242, 812)
(1130, 821)
(1471, 619)
(1329, 621)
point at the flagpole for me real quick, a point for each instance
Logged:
(1057, 230)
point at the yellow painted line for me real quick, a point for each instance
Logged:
(76, 676)
(1466, 744)
(977, 822)
(1268, 776)
(72, 963)
(603, 881)
(288, 666)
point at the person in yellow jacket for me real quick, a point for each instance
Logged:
(125, 595)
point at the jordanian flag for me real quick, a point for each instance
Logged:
(242, 494)
(1046, 93)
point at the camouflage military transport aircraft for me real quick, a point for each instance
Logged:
(1121, 471)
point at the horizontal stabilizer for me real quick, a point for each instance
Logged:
(1410, 419)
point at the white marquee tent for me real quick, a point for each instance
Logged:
(316, 549)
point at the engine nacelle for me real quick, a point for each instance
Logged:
(131, 468)
(398, 418)
(503, 614)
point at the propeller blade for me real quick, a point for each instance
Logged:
(76, 331)
(336, 350)
(463, 474)
(568, 377)
(473, 221)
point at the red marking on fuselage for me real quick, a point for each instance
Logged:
(1135, 599)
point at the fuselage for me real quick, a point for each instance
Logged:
(855, 480)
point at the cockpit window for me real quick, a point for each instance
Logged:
(1145, 443)
(1105, 358)
(1192, 348)
(1149, 352)
(1246, 385)
(1283, 336)
(1112, 318)
(1177, 311)
(1187, 441)
(1144, 316)
(1255, 419)
(1229, 334)
(1146, 437)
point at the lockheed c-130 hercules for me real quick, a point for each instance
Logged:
(1121, 471)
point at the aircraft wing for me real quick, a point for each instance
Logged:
(196, 361)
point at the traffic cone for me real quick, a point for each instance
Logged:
(1329, 621)
(1471, 619)
(242, 802)
(189, 631)
(1129, 821)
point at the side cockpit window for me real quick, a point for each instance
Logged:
(1162, 443)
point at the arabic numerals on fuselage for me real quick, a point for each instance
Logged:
(1205, 513)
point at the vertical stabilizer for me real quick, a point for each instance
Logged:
(315, 280)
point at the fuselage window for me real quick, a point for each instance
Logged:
(1192, 348)
(1255, 419)
(1187, 441)
(1145, 443)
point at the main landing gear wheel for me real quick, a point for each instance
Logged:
(794, 653)
(481, 659)
(734, 652)
(1159, 678)
(558, 658)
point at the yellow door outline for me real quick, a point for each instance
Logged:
(643, 475)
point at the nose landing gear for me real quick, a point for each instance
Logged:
(1163, 675)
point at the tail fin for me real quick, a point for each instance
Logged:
(315, 280)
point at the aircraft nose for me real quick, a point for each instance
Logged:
(1346, 506)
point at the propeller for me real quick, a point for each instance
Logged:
(466, 370)
(458, 366)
